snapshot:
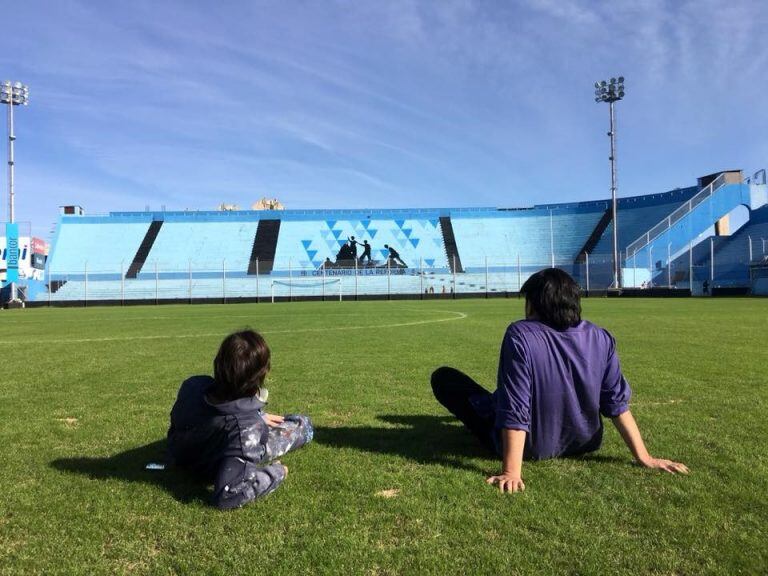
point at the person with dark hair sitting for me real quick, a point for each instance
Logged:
(220, 432)
(557, 375)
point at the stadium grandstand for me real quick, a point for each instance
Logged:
(676, 239)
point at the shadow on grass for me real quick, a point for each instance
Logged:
(129, 466)
(601, 458)
(425, 439)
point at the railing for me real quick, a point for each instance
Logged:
(758, 178)
(482, 277)
(195, 282)
(675, 216)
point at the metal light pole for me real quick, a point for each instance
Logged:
(12, 94)
(612, 92)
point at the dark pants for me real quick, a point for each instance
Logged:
(460, 395)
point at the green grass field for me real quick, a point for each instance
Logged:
(390, 485)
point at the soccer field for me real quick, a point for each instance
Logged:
(390, 485)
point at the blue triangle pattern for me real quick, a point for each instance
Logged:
(331, 223)
(306, 243)
(435, 222)
(384, 253)
(407, 232)
(337, 233)
(366, 224)
(400, 223)
(430, 262)
(312, 254)
(414, 242)
(372, 232)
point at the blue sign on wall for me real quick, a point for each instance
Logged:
(12, 247)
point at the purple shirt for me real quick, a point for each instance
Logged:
(555, 384)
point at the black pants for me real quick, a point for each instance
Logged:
(453, 389)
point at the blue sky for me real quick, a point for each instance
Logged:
(396, 103)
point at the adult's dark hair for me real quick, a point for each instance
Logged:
(554, 297)
(240, 366)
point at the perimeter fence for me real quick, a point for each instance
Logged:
(700, 269)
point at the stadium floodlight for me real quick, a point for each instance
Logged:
(611, 92)
(12, 94)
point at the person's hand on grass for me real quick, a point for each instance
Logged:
(630, 433)
(665, 465)
(273, 419)
(507, 483)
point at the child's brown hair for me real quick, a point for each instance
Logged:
(240, 366)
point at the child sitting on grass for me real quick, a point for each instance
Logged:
(219, 430)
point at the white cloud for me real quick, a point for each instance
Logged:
(459, 100)
(570, 11)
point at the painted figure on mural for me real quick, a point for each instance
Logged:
(353, 246)
(394, 257)
(345, 255)
(366, 252)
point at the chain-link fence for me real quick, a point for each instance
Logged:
(702, 269)
(718, 263)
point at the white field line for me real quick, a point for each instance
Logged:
(457, 316)
(26, 322)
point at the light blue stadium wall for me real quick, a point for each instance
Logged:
(99, 244)
(688, 228)
(533, 235)
(307, 237)
(732, 252)
(211, 245)
(638, 214)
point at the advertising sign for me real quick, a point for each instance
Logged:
(29, 265)
(39, 246)
(12, 254)
(38, 261)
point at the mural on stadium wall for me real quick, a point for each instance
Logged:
(368, 245)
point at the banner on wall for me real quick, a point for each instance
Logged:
(17, 246)
(12, 252)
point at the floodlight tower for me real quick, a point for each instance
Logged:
(612, 92)
(12, 94)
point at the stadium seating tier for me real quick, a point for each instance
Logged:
(210, 254)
